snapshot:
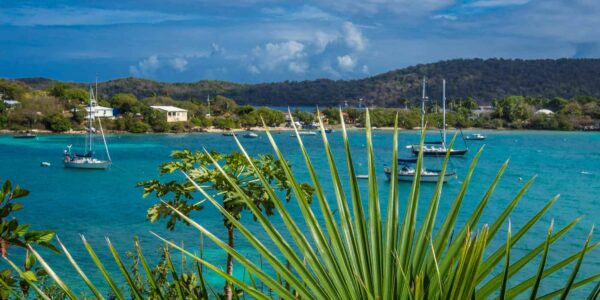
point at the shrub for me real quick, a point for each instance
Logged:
(58, 123)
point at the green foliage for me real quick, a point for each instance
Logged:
(156, 119)
(138, 126)
(202, 121)
(126, 103)
(303, 116)
(225, 123)
(68, 92)
(57, 123)
(244, 109)
(481, 79)
(202, 171)
(513, 108)
(16, 235)
(225, 177)
(221, 105)
(271, 117)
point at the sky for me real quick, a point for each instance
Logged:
(253, 41)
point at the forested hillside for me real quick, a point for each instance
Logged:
(483, 80)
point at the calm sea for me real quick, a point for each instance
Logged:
(101, 204)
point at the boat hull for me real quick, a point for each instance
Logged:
(101, 165)
(424, 177)
(25, 137)
(474, 138)
(439, 152)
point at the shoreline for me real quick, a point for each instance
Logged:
(4, 132)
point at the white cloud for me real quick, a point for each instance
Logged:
(179, 63)
(346, 62)
(323, 39)
(353, 37)
(273, 55)
(146, 66)
(78, 16)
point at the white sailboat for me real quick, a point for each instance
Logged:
(88, 159)
(441, 150)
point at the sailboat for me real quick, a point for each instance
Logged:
(406, 172)
(430, 150)
(88, 159)
(424, 99)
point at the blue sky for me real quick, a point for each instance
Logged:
(270, 40)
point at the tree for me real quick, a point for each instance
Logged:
(202, 171)
(513, 108)
(270, 116)
(126, 103)
(244, 109)
(303, 116)
(221, 105)
(224, 123)
(156, 119)
(58, 123)
(556, 104)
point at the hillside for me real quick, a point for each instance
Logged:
(482, 79)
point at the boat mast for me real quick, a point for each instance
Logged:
(102, 130)
(90, 140)
(423, 106)
(444, 111)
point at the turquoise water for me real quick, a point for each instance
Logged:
(101, 204)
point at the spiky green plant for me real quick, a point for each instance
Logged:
(361, 254)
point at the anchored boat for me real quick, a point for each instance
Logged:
(406, 172)
(250, 135)
(88, 160)
(475, 137)
(440, 150)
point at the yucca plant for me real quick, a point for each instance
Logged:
(362, 254)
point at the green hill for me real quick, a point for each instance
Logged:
(482, 79)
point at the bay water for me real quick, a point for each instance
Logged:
(99, 204)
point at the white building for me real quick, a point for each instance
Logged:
(174, 114)
(544, 112)
(11, 103)
(482, 110)
(99, 112)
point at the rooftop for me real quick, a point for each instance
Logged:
(168, 108)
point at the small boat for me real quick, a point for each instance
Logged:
(25, 136)
(328, 130)
(407, 173)
(364, 176)
(227, 133)
(304, 133)
(250, 135)
(88, 160)
(45, 164)
(438, 151)
(475, 137)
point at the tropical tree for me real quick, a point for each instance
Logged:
(349, 248)
(202, 169)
